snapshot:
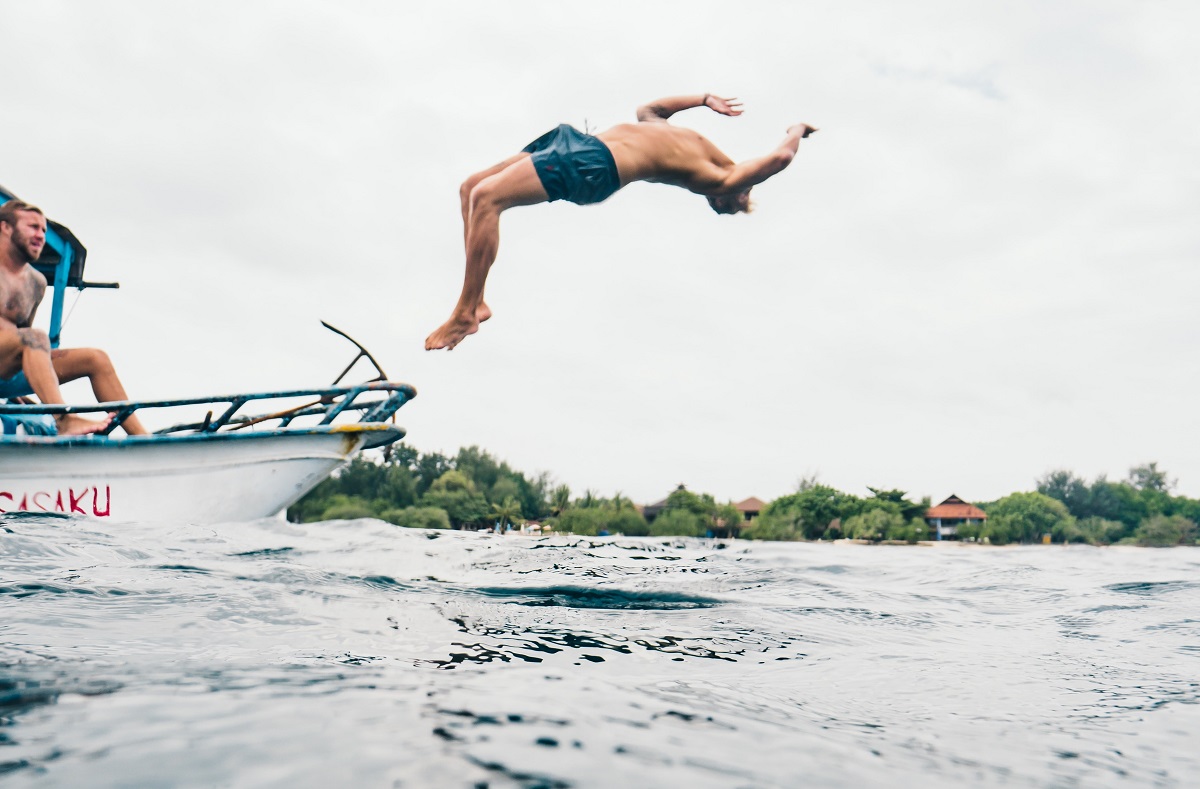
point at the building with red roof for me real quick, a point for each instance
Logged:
(751, 507)
(946, 517)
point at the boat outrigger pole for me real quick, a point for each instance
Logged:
(361, 353)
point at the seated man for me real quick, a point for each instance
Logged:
(566, 164)
(27, 364)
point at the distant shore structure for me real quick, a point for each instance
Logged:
(751, 507)
(945, 518)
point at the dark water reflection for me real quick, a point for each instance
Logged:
(268, 654)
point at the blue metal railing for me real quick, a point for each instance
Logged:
(330, 403)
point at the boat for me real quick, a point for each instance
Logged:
(224, 458)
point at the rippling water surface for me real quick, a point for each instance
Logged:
(340, 653)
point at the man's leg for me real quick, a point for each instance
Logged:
(482, 312)
(516, 185)
(74, 363)
(32, 348)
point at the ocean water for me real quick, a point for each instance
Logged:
(359, 654)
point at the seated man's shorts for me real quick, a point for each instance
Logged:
(574, 166)
(24, 424)
(27, 425)
(16, 386)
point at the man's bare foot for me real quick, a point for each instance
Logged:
(483, 312)
(451, 333)
(805, 129)
(72, 425)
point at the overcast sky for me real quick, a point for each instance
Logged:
(983, 267)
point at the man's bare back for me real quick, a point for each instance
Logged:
(567, 165)
(666, 154)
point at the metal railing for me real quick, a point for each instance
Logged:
(330, 403)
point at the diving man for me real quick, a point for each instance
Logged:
(566, 164)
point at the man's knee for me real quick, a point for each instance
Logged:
(94, 359)
(487, 196)
(468, 186)
(72, 363)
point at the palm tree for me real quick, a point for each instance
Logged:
(560, 500)
(507, 512)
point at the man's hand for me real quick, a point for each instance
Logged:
(802, 129)
(723, 106)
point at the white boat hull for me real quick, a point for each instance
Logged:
(194, 479)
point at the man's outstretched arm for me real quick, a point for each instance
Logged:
(659, 111)
(754, 171)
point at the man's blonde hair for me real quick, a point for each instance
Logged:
(8, 211)
(721, 205)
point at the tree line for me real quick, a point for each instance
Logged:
(473, 489)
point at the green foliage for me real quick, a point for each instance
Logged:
(428, 468)
(506, 488)
(1071, 490)
(1140, 510)
(683, 499)
(457, 495)
(1144, 494)
(874, 525)
(897, 500)
(678, 523)
(366, 479)
(971, 532)
(506, 513)
(473, 488)
(314, 503)
(686, 514)
(915, 530)
(1188, 508)
(1161, 531)
(1149, 477)
(1025, 517)
(417, 517)
(1098, 531)
(692, 514)
(727, 516)
(586, 521)
(629, 522)
(771, 529)
(346, 508)
(497, 481)
(560, 500)
(809, 512)
(592, 521)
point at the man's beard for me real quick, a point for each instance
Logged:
(25, 250)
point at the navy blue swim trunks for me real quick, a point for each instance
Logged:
(574, 166)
